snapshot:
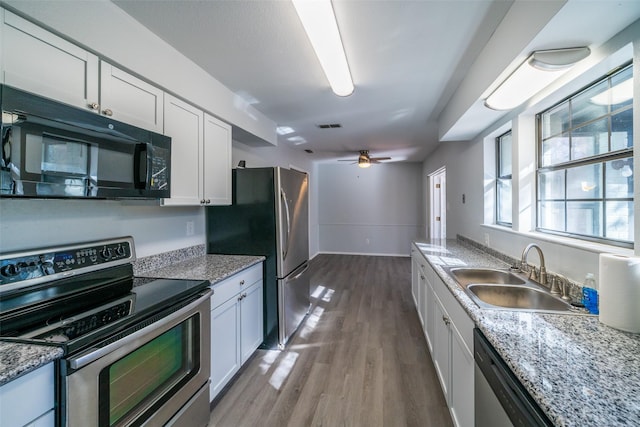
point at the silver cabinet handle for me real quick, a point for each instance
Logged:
(107, 112)
(241, 282)
(93, 106)
(208, 201)
(202, 202)
(446, 320)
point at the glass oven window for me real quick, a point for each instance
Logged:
(147, 377)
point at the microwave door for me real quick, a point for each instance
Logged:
(58, 165)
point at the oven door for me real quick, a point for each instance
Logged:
(152, 376)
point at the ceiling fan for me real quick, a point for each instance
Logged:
(364, 160)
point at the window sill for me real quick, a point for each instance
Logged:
(565, 241)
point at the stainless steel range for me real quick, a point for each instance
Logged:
(136, 351)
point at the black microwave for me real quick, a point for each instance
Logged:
(52, 150)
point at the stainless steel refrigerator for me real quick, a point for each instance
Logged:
(269, 216)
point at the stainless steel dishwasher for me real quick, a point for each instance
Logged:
(500, 399)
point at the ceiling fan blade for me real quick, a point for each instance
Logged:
(348, 160)
(380, 158)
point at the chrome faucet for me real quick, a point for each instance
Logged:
(542, 277)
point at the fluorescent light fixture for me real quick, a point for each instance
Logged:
(284, 130)
(297, 140)
(320, 24)
(534, 74)
(616, 95)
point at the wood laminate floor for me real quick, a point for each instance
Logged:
(359, 359)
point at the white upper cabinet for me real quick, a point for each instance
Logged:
(35, 60)
(200, 155)
(216, 162)
(128, 99)
(38, 61)
(184, 124)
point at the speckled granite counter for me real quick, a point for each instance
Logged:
(581, 372)
(213, 268)
(18, 359)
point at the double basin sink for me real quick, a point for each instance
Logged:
(502, 289)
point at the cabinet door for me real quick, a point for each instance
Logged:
(38, 61)
(441, 346)
(128, 99)
(28, 399)
(423, 295)
(429, 310)
(251, 331)
(415, 279)
(462, 381)
(184, 124)
(216, 161)
(225, 344)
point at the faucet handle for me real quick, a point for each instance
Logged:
(555, 288)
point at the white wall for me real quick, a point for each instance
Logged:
(466, 162)
(28, 224)
(375, 211)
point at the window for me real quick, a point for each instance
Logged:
(585, 163)
(503, 179)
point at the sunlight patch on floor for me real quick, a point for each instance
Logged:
(283, 370)
(311, 322)
(317, 292)
(327, 295)
(268, 359)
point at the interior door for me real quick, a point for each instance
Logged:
(438, 211)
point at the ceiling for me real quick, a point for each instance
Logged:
(407, 59)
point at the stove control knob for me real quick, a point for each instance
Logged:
(120, 251)
(106, 253)
(9, 270)
(47, 268)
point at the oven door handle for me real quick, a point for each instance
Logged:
(85, 359)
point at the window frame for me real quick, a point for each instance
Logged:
(601, 159)
(500, 177)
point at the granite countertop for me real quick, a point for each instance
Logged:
(580, 371)
(18, 359)
(213, 268)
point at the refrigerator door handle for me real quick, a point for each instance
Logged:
(306, 267)
(285, 242)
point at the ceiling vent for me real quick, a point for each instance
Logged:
(330, 126)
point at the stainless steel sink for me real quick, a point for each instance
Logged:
(507, 290)
(516, 298)
(466, 276)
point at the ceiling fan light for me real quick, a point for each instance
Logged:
(319, 22)
(364, 163)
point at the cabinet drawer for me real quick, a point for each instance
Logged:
(230, 286)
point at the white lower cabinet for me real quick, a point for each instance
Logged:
(29, 400)
(449, 333)
(236, 324)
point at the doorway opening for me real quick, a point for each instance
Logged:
(438, 204)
